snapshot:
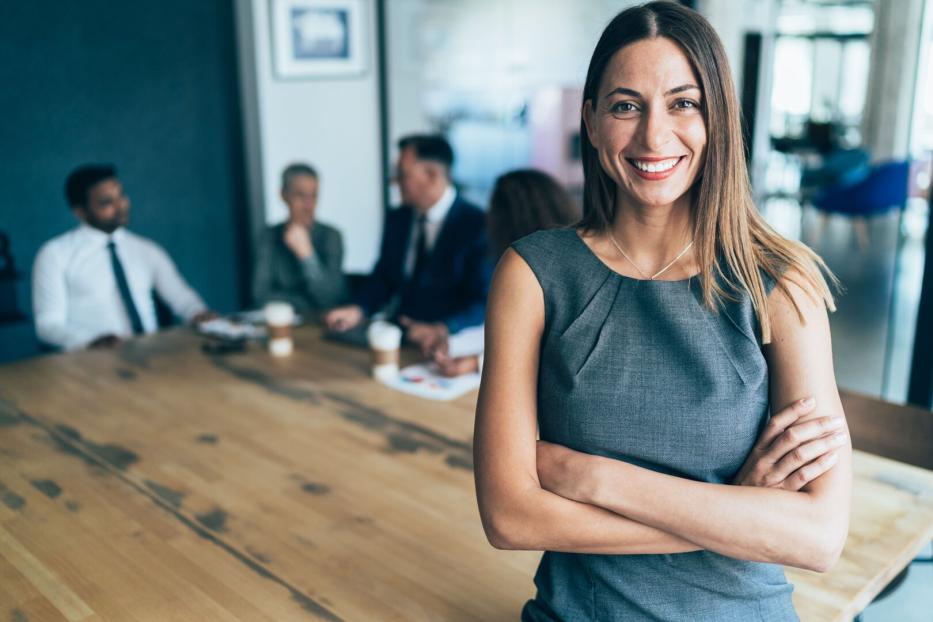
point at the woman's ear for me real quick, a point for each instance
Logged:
(589, 121)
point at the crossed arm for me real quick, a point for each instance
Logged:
(553, 498)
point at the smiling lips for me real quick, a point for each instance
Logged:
(654, 169)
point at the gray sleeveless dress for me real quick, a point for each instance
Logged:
(640, 371)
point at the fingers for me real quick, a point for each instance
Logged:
(431, 344)
(447, 368)
(467, 364)
(787, 446)
(343, 318)
(439, 350)
(797, 460)
(783, 419)
(798, 434)
(337, 319)
(204, 316)
(104, 342)
(809, 472)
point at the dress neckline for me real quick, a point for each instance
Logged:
(625, 277)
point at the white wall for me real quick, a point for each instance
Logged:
(332, 124)
(469, 67)
(439, 48)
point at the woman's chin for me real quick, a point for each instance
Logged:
(655, 201)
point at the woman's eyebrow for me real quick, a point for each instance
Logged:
(621, 90)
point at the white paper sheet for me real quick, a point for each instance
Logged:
(424, 381)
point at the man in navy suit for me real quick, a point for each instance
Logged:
(433, 270)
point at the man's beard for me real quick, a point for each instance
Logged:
(107, 226)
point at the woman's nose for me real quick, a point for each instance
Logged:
(656, 129)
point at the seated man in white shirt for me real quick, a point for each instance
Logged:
(93, 286)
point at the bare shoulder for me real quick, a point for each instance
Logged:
(515, 307)
(795, 306)
(514, 284)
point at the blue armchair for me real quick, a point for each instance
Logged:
(884, 189)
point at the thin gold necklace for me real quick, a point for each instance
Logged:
(659, 272)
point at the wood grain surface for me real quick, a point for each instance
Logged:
(156, 482)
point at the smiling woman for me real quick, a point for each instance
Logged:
(648, 348)
(646, 122)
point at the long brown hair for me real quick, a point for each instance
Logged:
(732, 241)
(524, 201)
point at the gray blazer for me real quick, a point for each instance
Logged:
(310, 285)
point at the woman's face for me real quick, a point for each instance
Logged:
(647, 123)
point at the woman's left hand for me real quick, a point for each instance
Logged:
(565, 472)
(792, 451)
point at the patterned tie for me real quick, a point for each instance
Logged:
(421, 249)
(124, 288)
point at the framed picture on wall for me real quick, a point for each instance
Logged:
(318, 38)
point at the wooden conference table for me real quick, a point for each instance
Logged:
(157, 482)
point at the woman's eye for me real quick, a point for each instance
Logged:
(686, 104)
(622, 107)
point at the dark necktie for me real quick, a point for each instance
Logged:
(124, 288)
(421, 247)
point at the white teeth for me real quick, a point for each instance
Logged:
(656, 167)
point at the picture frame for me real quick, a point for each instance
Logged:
(318, 38)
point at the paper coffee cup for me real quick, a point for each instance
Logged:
(384, 339)
(279, 319)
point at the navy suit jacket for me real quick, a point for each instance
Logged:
(452, 287)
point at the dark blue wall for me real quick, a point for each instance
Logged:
(150, 86)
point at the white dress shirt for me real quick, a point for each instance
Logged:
(468, 342)
(435, 220)
(75, 297)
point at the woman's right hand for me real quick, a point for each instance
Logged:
(793, 451)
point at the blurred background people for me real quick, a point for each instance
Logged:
(300, 261)
(833, 162)
(433, 272)
(94, 285)
(523, 201)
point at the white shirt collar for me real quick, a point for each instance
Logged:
(438, 211)
(98, 236)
